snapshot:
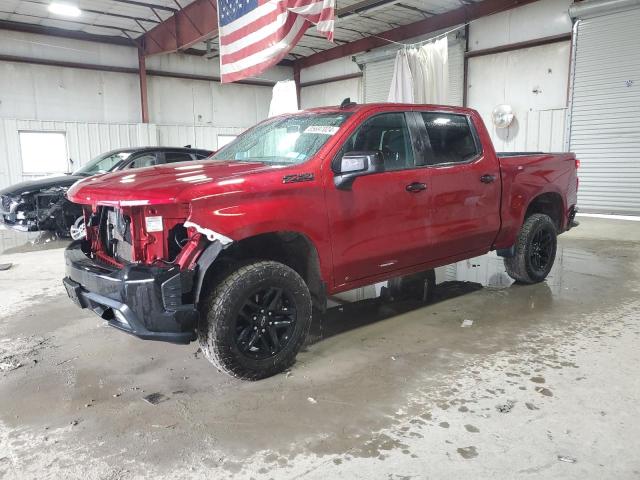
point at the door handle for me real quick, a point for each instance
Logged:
(486, 178)
(416, 187)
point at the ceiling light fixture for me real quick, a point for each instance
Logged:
(64, 9)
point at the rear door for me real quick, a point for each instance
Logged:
(465, 186)
(381, 223)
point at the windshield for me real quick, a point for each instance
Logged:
(103, 163)
(288, 140)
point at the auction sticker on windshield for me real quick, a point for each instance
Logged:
(323, 129)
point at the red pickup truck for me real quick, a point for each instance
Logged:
(237, 249)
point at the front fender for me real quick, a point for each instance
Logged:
(240, 215)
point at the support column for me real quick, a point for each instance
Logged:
(296, 78)
(142, 72)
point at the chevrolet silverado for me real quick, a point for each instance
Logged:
(237, 250)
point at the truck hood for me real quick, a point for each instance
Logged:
(175, 183)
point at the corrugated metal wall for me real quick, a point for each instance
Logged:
(86, 140)
(197, 136)
(533, 81)
(332, 93)
(539, 130)
(605, 113)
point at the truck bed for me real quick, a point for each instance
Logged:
(516, 154)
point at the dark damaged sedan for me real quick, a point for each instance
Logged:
(42, 204)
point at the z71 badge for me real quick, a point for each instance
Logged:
(298, 177)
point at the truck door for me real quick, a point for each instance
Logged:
(380, 223)
(465, 194)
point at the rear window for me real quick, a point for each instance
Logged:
(451, 138)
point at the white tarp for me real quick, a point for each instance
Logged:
(401, 90)
(284, 98)
(421, 74)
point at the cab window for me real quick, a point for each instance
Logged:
(450, 138)
(387, 133)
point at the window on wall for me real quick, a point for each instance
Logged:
(43, 152)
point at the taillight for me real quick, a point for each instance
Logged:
(577, 164)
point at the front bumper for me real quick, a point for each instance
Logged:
(13, 215)
(149, 302)
(9, 220)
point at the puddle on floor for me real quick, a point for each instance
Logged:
(13, 241)
(576, 275)
(489, 271)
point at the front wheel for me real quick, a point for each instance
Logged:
(535, 250)
(78, 230)
(255, 320)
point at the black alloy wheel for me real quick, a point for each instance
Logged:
(542, 249)
(254, 319)
(265, 323)
(534, 250)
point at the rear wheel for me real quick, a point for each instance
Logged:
(535, 250)
(255, 320)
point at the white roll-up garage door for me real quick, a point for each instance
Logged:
(378, 74)
(377, 80)
(605, 112)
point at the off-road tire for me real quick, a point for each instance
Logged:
(520, 266)
(222, 305)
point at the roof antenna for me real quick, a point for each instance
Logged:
(346, 103)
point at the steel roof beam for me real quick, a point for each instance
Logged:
(361, 7)
(424, 13)
(63, 33)
(448, 19)
(77, 22)
(147, 5)
(194, 23)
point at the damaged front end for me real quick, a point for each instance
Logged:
(141, 269)
(46, 209)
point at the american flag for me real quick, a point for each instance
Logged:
(257, 34)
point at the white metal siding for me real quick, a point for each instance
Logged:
(196, 136)
(605, 113)
(378, 75)
(87, 140)
(534, 82)
(535, 131)
(331, 93)
(84, 141)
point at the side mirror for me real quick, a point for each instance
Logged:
(356, 164)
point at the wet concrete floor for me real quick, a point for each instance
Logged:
(496, 381)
